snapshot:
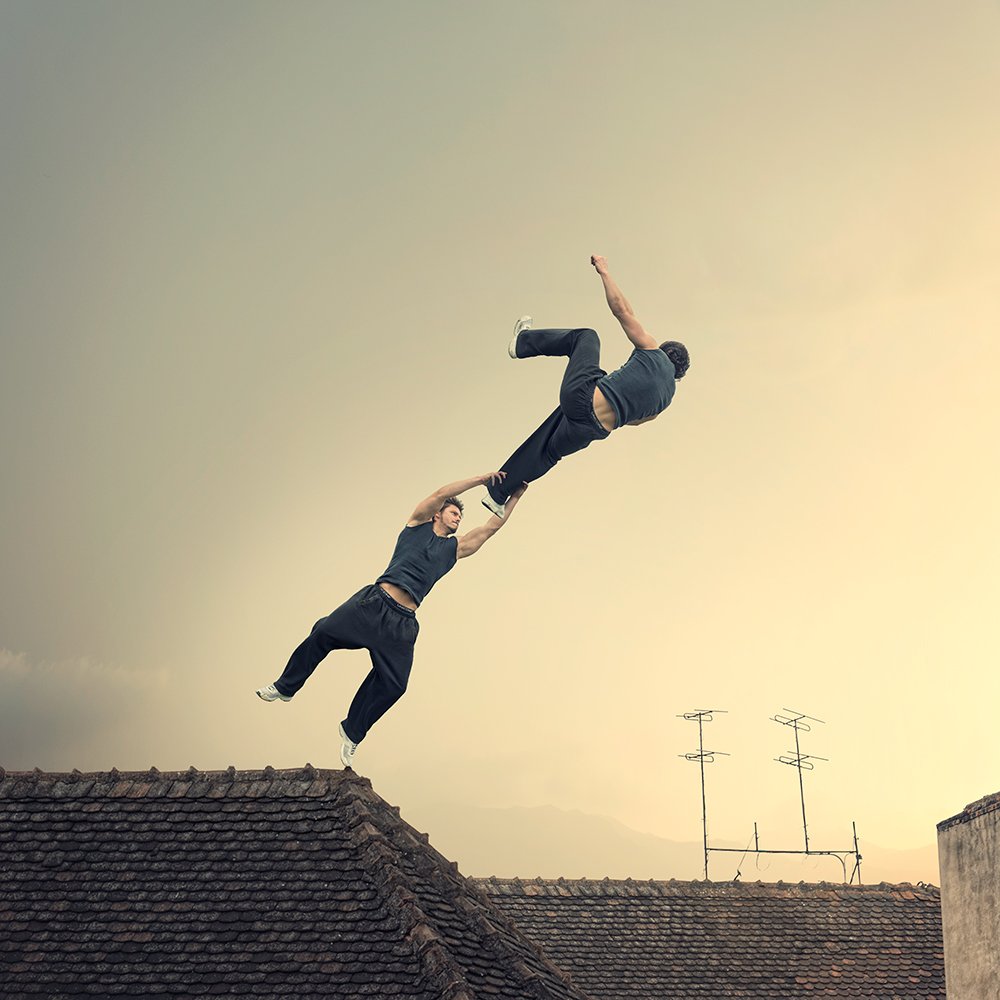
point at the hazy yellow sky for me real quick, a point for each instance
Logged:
(259, 268)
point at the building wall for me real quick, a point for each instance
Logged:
(969, 853)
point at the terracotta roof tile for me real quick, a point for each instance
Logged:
(628, 940)
(252, 883)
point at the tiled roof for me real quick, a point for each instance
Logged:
(625, 940)
(245, 883)
(982, 807)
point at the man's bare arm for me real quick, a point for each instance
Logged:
(619, 305)
(472, 541)
(427, 508)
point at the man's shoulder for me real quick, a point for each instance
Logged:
(412, 525)
(655, 360)
(653, 354)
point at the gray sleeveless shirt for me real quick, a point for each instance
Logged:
(420, 559)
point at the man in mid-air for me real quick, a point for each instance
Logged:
(592, 403)
(381, 617)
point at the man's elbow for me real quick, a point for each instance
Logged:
(437, 499)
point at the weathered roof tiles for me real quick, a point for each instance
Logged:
(262, 883)
(631, 940)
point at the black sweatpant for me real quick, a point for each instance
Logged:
(573, 424)
(370, 620)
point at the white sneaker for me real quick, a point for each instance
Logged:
(270, 693)
(347, 749)
(490, 504)
(524, 323)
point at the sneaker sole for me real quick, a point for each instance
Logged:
(524, 323)
(280, 697)
(344, 759)
(495, 513)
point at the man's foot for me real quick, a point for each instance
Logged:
(347, 748)
(490, 504)
(270, 693)
(524, 323)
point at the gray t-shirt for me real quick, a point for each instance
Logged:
(641, 388)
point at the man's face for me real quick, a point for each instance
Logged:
(451, 518)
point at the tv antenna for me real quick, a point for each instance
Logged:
(703, 757)
(798, 722)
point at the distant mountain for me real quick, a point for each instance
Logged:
(550, 842)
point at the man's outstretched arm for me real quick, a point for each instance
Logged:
(426, 509)
(472, 541)
(619, 305)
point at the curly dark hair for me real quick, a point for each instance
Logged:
(452, 502)
(678, 354)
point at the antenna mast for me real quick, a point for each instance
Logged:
(799, 760)
(703, 756)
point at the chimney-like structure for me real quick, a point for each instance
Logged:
(969, 853)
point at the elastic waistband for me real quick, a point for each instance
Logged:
(394, 604)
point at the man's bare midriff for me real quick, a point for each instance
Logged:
(398, 594)
(602, 409)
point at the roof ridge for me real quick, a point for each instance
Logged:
(303, 770)
(608, 886)
(447, 877)
(152, 782)
(381, 857)
(496, 942)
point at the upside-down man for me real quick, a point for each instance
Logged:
(592, 403)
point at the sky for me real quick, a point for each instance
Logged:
(259, 265)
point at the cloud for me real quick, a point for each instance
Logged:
(69, 713)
